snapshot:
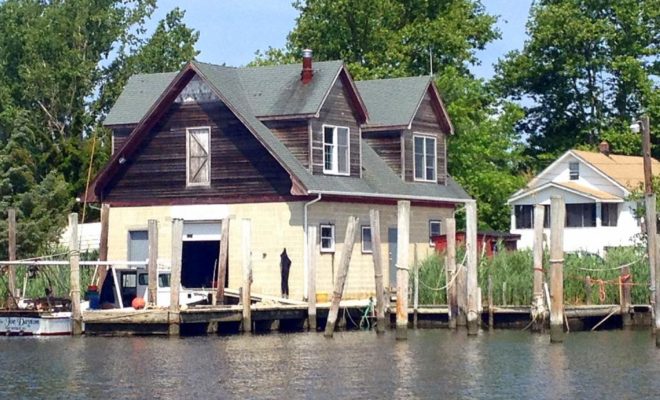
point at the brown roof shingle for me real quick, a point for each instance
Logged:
(627, 171)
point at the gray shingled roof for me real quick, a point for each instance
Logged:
(140, 92)
(392, 102)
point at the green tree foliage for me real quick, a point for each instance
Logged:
(589, 68)
(394, 38)
(63, 63)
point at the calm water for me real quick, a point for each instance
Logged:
(431, 364)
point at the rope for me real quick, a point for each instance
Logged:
(611, 269)
(451, 281)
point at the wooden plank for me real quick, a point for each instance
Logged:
(222, 261)
(152, 266)
(103, 245)
(246, 225)
(377, 255)
(537, 287)
(452, 292)
(403, 243)
(340, 282)
(472, 283)
(74, 276)
(175, 276)
(312, 254)
(11, 231)
(558, 215)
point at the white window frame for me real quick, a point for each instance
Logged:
(188, 137)
(435, 157)
(431, 222)
(367, 228)
(577, 170)
(335, 155)
(330, 249)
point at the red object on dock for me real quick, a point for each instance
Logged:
(137, 303)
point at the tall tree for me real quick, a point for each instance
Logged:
(588, 69)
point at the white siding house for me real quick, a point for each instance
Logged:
(596, 188)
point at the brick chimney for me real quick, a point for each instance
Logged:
(604, 148)
(307, 72)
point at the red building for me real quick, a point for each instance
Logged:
(487, 241)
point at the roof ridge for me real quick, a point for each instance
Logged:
(400, 78)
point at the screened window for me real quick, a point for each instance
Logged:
(327, 238)
(524, 216)
(425, 158)
(367, 246)
(580, 215)
(434, 230)
(574, 170)
(198, 156)
(336, 150)
(609, 214)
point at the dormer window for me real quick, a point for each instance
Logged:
(336, 150)
(425, 158)
(198, 156)
(574, 170)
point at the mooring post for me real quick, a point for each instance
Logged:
(652, 247)
(175, 276)
(557, 213)
(472, 283)
(587, 289)
(312, 251)
(416, 288)
(103, 244)
(222, 261)
(402, 269)
(344, 262)
(74, 277)
(152, 265)
(491, 316)
(625, 296)
(247, 275)
(11, 231)
(450, 262)
(377, 255)
(537, 288)
(461, 290)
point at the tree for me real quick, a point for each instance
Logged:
(588, 69)
(394, 38)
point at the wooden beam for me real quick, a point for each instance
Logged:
(11, 231)
(558, 215)
(222, 261)
(247, 274)
(103, 244)
(152, 266)
(312, 254)
(402, 269)
(472, 282)
(537, 287)
(340, 282)
(175, 276)
(377, 255)
(74, 276)
(450, 262)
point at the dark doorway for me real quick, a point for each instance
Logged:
(198, 263)
(392, 252)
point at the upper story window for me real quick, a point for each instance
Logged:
(574, 170)
(336, 150)
(198, 156)
(425, 158)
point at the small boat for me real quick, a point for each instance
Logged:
(46, 316)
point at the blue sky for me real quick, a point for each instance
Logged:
(232, 30)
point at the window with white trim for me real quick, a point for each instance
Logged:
(336, 150)
(574, 170)
(327, 238)
(198, 156)
(367, 246)
(434, 230)
(425, 158)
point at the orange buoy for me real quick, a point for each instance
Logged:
(137, 303)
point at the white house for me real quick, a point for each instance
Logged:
(596, 189)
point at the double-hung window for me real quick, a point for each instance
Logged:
(367, 246)
(327, 238)
(434, 230)
(336, 150)
(198, 156)
(425, 158)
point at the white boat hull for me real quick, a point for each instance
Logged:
(37, 324)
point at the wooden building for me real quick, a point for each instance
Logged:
(286, 147)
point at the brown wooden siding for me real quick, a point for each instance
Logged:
(240, 166)
(295, 136)
(387, 145)
(336, 110)
(426, 122)
(119, 136)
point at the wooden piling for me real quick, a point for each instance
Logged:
(587, 288)
(491, 316)
(558, 215)
(461, 290)
(377, 255)
(472, 283)
(152, 265)
(402, 269)
(625, 298)
(537, 287)
(11, 231)
(452, 300)
(344, 261)
(74, 276)
(103, 245)
(416, 288)
(222, 261)
(175, 276)
(312, 251)
(247, 275)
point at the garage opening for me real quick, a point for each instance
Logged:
(201, 248)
